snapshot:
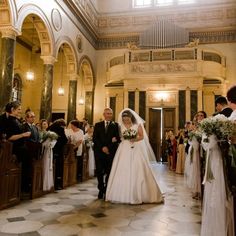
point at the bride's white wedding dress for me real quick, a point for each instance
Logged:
(131, 179)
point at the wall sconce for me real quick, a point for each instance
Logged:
(30, 74)
(161, 96)
(61, 90)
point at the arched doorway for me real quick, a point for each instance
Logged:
(86, 89)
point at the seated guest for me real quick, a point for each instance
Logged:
(58, 126)
(222, 106)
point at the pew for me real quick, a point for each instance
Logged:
(10, 176)
(69, 166)
(34, 152)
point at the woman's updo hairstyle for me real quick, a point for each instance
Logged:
(127, 113)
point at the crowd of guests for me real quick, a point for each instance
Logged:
(207, 163)
(21, 130)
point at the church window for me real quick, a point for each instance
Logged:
(142, 3)
(17, 88)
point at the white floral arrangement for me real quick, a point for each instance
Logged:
(129, 134)
(195, 133)
(218, 125)
(48, 135)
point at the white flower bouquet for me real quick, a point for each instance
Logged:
(218, 125)
(48, 135)
(129, 134)
(195, 133)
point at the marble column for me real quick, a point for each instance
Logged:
(188, 104)
(46, 94)
(6, 65)
(71, 115)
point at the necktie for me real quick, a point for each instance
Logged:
(106, 126)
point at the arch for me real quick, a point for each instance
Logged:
(85, 65)
(69, 52)
(8, 12)
(42, 26)
(86, 73)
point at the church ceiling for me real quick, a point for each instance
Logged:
(210, 23)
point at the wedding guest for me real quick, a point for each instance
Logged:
(31, 127)
(43, 126)
(58, 126)
(85, 125)
(181, 153)
(16, 135)
(88, 138)
(76, 137)
(174, 152)
(106, 139)
(3, 120)
(222, 106)
(131, 180)
(231, 96)
(200, 116)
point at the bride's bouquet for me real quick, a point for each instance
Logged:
(129, 134)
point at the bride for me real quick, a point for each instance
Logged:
(132, 179)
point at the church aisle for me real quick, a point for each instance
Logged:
(76, 211)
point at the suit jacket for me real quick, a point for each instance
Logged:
(102, 138)
(226, 112)
(34, 137)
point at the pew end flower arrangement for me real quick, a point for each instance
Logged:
(222, 128)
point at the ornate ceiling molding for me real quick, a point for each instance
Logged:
(209, 23)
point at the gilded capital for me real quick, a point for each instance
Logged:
(73, 77)
(48, 60)
(9, 32)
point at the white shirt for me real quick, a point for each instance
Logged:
(233, 116)
(75, 137)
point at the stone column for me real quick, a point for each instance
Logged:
(46, 94)
(72, 94)
(126, 98)
(136, 101)
(199, 99)
(6, 65)
(188, 104)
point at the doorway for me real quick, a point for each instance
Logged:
(161, 120)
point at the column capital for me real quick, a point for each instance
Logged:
(73, 77)
(9, 32)
(48, 60)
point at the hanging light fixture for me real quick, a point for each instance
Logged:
(30, 73)
(61, 90)
(81, 100)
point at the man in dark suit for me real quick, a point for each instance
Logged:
(106, 139)
(222, 106)
(30, 126)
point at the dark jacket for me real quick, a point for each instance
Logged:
(102, 138)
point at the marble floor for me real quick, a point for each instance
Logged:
(77, 211)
